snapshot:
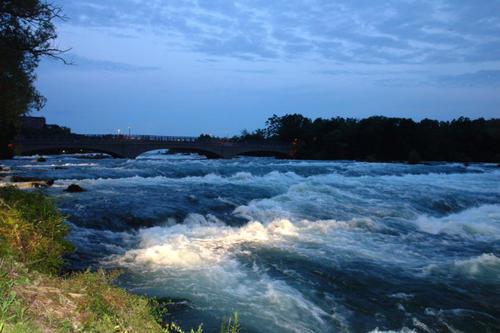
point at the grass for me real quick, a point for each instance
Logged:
(231, 325)
(83, 302)
(35, 298)
(32, 230)
(13, 317)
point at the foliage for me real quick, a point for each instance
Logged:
(231, 325)
(388, 139)
(32, 230)
(13, 316)
(204, 138)
(255, 136)
(26, 33)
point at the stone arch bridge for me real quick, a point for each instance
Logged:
(124, 146)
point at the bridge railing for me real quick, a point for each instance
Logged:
(110, 137)
(188, 140)
(140, 137)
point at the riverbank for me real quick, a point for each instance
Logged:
(7, 179)
(34, 297)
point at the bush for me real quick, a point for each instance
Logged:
(32, 230)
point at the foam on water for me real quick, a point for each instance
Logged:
(477, 222)
(484, 268)
(206, 241)
(211, 178)
(486, 264)
(30, 166)
(200, 257)
(403, 330)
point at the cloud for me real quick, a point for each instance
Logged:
(360, 31)
(252, 71)
(483, 78)
(86, 64)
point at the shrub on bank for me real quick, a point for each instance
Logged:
(32, 230)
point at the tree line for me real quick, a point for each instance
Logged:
(381, 138)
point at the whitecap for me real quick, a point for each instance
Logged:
(484, 268)
(482, 221)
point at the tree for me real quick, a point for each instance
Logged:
(288, 127)
(381, 138)
(258, 135)
(26, 34)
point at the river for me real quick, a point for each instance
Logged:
(292, 246)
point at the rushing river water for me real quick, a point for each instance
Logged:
(293, 246)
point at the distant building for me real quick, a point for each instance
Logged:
(33, 122)
(37, 126)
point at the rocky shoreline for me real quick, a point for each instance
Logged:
(7, 178)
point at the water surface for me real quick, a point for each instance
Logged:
(293, 246)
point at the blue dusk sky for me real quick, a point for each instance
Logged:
(187, 67)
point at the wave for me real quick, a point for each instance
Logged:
(30, 166)
(403, 330)
(485, 265)
(272, 178)
(203, 258)
(477, 222)
(307, 217)
(484, 268)
(201, 240)
(110, 241)
(158, 155)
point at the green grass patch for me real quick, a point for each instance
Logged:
(13, 316)
(32, 230)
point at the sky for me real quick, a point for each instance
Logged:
(185, 67)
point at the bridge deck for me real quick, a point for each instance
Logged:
(134, 145)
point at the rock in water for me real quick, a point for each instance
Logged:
(40, 159)
(74, 188)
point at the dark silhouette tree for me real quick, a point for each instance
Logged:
(288, 127)
(26, 34)
(381, 138)
(258, 135)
